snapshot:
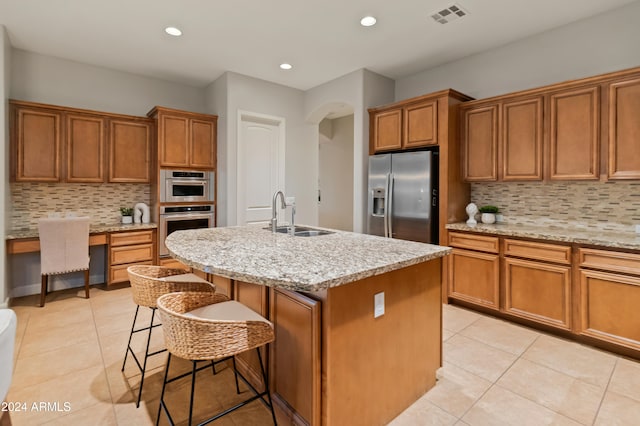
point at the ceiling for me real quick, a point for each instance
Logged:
(322, 39)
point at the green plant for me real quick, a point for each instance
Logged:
(126, 211)
(488, 209)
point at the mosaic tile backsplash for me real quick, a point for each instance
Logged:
(101, 202)
(611, 206)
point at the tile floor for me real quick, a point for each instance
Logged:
(494, 373)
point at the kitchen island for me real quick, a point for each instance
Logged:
(335, 360)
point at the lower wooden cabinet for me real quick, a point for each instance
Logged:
(538, 291)
(129, 248)
(475, 277)
(170, 262)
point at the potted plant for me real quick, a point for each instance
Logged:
(127, 213)
(488, 214)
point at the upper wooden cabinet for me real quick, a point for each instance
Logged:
(36, 135)
(574, 134)
(480, 143)
(502, 140)
(404, 125)
(185, 139)
(624, 129)
(130, 150)
(51, 143)
(85, 146)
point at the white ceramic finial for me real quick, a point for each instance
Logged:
(472, 210)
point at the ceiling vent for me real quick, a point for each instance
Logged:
(451, 13)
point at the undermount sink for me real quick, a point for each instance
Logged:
(300, 231)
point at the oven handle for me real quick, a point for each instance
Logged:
(188, 182)
(171, 216)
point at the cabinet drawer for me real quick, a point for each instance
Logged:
(628, 263)
(538, 251)
(118, 274)
(474, 242)
(170, 262)
(129, 238)
(131, 254)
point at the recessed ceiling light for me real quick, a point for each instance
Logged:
(368, 21)
(173, 31)
(286, 66)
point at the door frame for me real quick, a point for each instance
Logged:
(255, 117)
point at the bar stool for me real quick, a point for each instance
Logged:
(147, 284)
(209, 326)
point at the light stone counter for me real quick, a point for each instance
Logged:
(559, 234)
(15, 234)
(256, 255)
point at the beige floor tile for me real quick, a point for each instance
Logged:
(456, 319)
(56, 363)
(501, 334)
(47, 318)
(128, 415)
(501, 407)
(446, 334)
(482, 360)
(557, 391)
(456, 390)
(45, 339)
(79, 389)
(626, 379)
(99, 414)
(619, 410)
(584, 363)
(422, 412)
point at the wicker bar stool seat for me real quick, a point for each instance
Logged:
(209, 326)
(147, 284)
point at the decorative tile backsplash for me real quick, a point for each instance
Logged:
(101, 202)
(611, 206)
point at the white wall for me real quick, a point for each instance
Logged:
(361, 89)
(5, 205)
(301, 161)
(596, 45)
(56, 81)
(216, 99)
(335, 210)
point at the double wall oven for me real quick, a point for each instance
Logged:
(186, 202)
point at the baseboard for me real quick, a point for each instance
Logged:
(4, 304)
(30, 289)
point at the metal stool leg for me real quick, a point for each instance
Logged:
(235, 373)
(266, 387)
(193, 391)
(130, 336)
(162, 406)
(146, 356)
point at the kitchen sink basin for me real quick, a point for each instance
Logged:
(301, 231)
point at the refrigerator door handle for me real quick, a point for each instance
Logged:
(389, 212)
(385, 216)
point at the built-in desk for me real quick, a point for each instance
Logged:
(130, 244)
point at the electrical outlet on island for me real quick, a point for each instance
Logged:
(638, 229)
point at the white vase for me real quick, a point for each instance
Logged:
(127, 219)
(488, 218)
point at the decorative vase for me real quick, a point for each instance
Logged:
(488, 218)
(127, 219)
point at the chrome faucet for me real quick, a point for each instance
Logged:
(274, 210)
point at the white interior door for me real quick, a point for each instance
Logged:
(261, 153)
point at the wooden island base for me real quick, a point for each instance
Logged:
(333, 363)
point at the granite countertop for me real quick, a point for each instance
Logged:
(256, 255)
(14, 234)
(594, 237)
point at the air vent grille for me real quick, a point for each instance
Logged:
(449, 14)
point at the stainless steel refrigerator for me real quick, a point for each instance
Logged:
(403, 196)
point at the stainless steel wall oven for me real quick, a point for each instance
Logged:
(187, 186)
(177, 218)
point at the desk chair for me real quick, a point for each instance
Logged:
(7, 340)
(210, 327)
(149, 282)
(64, 248)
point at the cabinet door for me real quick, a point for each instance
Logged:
(522, 140)
(203, 144)
(624, 130)
(173, 140)
(36, 139)
(609, 307)
(480, 143)
(538, 291)
(421, 124)
(387, 130)
(85, 147)
(129, 151)
(474, 277)
(574, 134)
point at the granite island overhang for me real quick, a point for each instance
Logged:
(334, 361)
